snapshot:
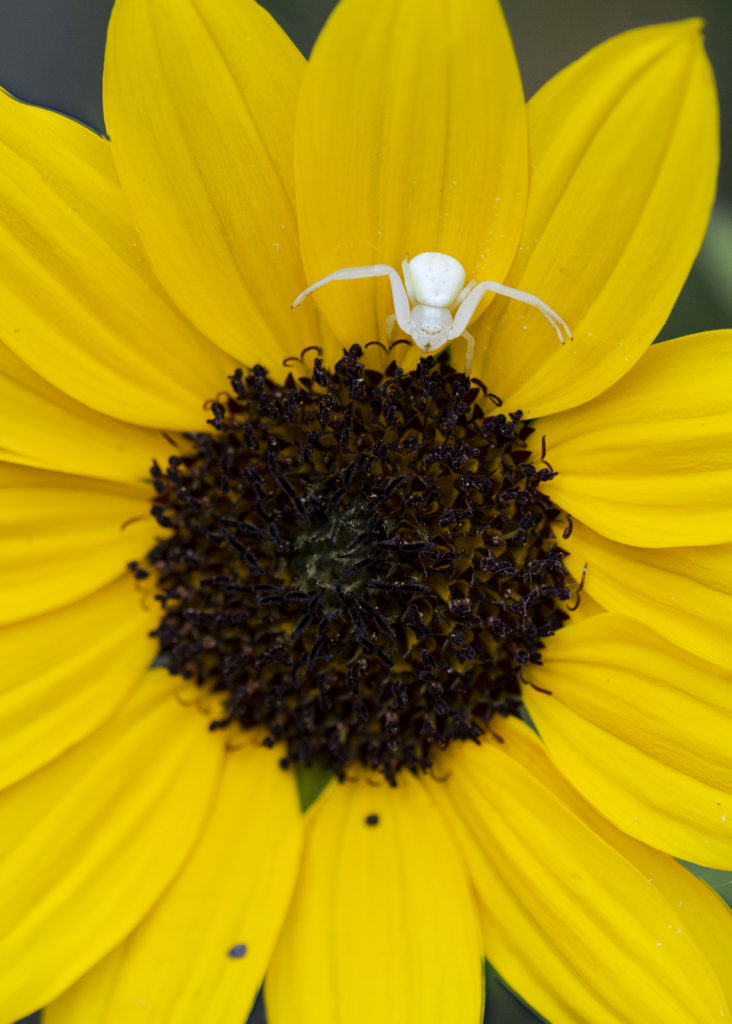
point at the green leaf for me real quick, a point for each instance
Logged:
(310, 783)
(720, 881)
(502, 1005)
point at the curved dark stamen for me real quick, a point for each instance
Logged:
(578, 591)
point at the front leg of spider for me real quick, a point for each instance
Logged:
(398, 291)
(470, 303)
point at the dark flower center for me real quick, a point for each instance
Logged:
(360, 561)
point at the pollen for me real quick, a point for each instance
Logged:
(360, 561)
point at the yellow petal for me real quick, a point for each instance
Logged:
(411, 137)
(624, 151)
(642, 729)
(201, 952)
(41, 426)
(91, 840)
(382, 926)
(587, 605)
(685, 594)
(65, 672)
(78, 301)
(649, 463)
(571, 924)
(704, 917)
(199, 101)
(87, 998)
(62, 537)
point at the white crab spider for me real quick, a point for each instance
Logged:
(434, 305)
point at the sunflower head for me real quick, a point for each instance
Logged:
(361, 561)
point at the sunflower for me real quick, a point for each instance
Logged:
(278, 731)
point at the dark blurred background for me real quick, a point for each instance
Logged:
(51, 53)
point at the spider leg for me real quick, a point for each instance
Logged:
(398, 291)
(470, 304)
(469, 351)
(464, 293)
